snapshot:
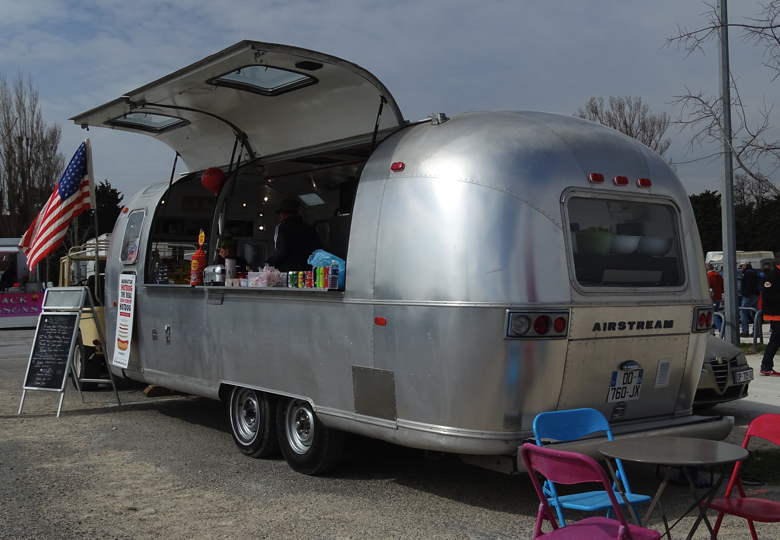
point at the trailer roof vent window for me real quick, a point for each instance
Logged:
(266, 80)
(311, 199)
(156, 123)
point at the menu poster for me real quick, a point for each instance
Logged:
(124, 320)
(53, 345)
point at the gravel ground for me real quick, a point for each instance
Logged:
(167, 467)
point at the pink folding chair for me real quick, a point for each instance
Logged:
(766, 426)
(572, 468)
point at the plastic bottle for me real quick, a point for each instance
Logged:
(333, 275)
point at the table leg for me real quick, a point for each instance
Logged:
(622, 492)
(707, 499)
(656, 500)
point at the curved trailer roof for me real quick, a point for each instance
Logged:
(277, 97)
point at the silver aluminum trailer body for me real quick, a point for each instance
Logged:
(476, 225)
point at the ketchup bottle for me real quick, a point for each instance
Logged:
(198, 262)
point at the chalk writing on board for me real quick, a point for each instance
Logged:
(49, 359)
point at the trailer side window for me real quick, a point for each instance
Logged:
(185, 209)
(130, 242)
(620, 243)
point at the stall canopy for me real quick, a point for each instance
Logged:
(274, 98)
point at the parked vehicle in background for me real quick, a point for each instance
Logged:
(725, 374)
(77, 268)
(752, 257)
(20, 292)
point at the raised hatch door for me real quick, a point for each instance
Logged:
(281, 97)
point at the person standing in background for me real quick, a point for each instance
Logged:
(715, 281)
(750, 291)
(770, 298)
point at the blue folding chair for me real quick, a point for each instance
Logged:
(570, 425)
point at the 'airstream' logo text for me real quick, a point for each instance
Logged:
(614, 326)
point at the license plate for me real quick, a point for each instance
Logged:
(742, 376)
(625, 385)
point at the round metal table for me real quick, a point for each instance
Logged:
(681, 452)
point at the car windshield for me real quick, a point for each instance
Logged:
(620, 243)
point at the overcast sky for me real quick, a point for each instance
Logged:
(434, 56)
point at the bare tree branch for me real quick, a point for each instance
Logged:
(631, 116)
(29, 161)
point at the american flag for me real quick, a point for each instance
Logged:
(71, 196)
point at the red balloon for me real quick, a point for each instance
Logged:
(213, 179)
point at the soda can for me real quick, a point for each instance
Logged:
(283, 279)
(318, 270)
(325, 271)
(301, 280)
(292, 279)
(310, 279)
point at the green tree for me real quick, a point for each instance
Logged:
(109, 204)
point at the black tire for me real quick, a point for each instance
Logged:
(308, 446)
(252, 422)
(84, 367)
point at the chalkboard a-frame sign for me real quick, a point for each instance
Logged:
(52, 351)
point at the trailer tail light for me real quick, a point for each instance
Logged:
(397, 166)
(596, 178)
(620, 180)
(542, 325)
(644, 182)
(702, 319)
(536, 325)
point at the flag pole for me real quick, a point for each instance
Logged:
(91, 172)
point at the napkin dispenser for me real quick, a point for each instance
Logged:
(214, 275)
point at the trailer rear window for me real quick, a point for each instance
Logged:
(619, 243)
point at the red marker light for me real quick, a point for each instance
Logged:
(380, 321)
(620, 180)
(596, 178)
(542, 324)
(559, 325)
(644, 182)
(398, 166)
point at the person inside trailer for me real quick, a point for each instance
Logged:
(294, 239)
(227, 250)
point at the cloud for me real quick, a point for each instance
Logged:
(435, 55)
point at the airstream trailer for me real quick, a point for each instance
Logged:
(498, 264)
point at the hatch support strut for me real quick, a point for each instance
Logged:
(240, 134)
(382, 101)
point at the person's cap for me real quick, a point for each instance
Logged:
(289, 206)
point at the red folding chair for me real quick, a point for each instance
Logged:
(766, 426)
(572, 468)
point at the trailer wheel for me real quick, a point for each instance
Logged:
(307, 444)
(251, 417)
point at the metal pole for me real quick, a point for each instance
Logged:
(730, 308)
(95, 221)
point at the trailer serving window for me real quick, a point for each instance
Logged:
(623, 243)
(185, 209)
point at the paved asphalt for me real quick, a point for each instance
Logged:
(167, 467)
